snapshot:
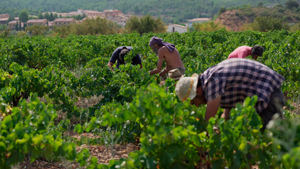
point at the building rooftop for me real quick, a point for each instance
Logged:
(178, 25)
(92, 12)
(36, 21)
(12, 22)
(199, 19)
(4, 19)
(63, 19)
(4, 16)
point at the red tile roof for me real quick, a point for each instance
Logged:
(36, 21)
(4, 16)
(4, 19)
(64, 20)
(12, 22)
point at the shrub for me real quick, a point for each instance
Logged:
(222, 10)
(290, 4)
(265, 24)
(144, 24)
(37, 30)
(208, 26)
(238, 14)
(88, 27)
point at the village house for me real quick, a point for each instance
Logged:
(93, 14)
(88, 13)
(64, 15)
(32, 22)
(4, 19)
(109, 14)
(197, 20)
(12, 24)
(120, 19)
(63, 21)
(4, 16)
(50, 24)
(176, 28)
(116, 16)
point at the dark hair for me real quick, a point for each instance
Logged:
(257, 50)
(199, 81)
(122, 54)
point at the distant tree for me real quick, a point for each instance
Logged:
(41, 16)
(279, 5)
(290, 4)
(133, 24)
(11, 18)
(87, 27)
(17, 27)
(77, 17)
(51, 17)
(4, 31)
(46, 15)
(23, 16)
(176, 21)
(212, 14)
(37, 30)
(144, 25)
(280, 8)
(222, 10)
(191, 29)
(24, 27)
(260, 5)
(267, 23)
(55, 16)
(136, 9)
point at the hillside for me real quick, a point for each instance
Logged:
(234, 19)
(167, 9)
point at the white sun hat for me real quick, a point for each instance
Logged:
(186, 87)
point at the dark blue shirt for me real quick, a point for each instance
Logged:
(115, 57)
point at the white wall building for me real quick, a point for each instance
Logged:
(176, 28)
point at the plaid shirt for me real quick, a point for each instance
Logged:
(235, 79)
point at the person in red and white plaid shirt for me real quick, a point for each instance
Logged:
(230, 82)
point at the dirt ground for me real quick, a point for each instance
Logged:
(103, 153)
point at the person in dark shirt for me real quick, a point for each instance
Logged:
(119, 54)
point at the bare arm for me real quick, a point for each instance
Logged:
(212, 108)
(226, 114)
(159, 63)
(166, 70)
(110, 64)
